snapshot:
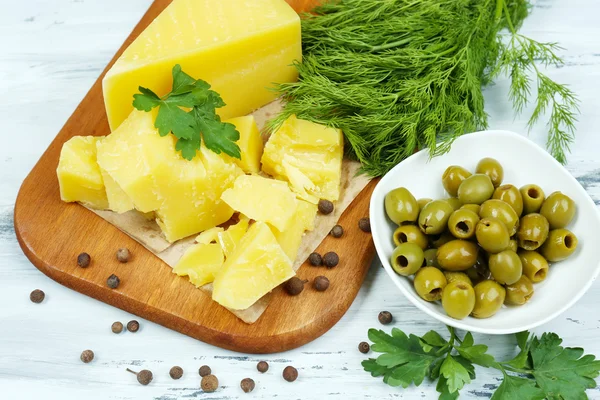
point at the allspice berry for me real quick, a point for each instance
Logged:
(364, 347)
(325, 206)
(364, 224)
(117, 327)
(385, 317)
(87, 356)
(331, 259)
(315, 259)
(321, 283)
(294, 286)
(262, 366)
(337, 231)
(144, 377)
(83, 260)
(290, 373)
(209, 383)
(247, 385)
(37, 296)
(123, 255)
(176, 372)
(133, 326)
(204, 371)
(113, 281)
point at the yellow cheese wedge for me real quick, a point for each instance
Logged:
(118, 201)
(240, 47)
(79, 175)
(210, 235)
(308, 155)
(262, 199)
(200, 263)
(291, 238)
(230, 238)
(250, 143)
(256, 267)
(307, 213)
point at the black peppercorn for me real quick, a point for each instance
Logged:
(176, 372)
(321, 283)
(117, 327)
(364, 347)
(83, 260)
(209, 383)
(37, 296)
(315, 259)
(337, 231)
(364, 224)
(294, 286)
(204, 371)
(331, 259)
(144, 377)
(385, 317)
(123, 255)
(87, 356)
(262, 366)
(113, 281)
(325, 206)
(247, 385)
(133, 326)
(290, 374)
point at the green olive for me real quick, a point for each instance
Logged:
(457, 255)
(454, 202)
(535, 266)
(401, 206)
(462, 223)
(491, 168)
(533, 231)
(475, 189)
(472, 207)
(561, 243)
(506, 267)
(478, 273)
(503, 211)
(519, 292)
(492, 235)
(407, 258)
(440, 240)
(513, 245)
(458, 299)
(455, 276)
(430, 283)
(421, 202)
(433, 218)
(489, 297)
(453, 177)
(412, 234)
(559, 210)
(431, 258)
(533, 197)
(511, 195)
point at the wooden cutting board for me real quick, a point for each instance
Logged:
(52, 233)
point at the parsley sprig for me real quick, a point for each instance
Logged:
(189, 113)
(543, 369)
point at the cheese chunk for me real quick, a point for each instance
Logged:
(256, 267)
(291, 238)
(118, 201)
(79, 175)
(240, 47)
(200, 263)
(250, 143)
(307, 155)
(262, 199)
(230, 238)
(210, 235)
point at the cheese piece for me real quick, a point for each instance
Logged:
(240, 47)
(230, 238)
(291, 238)
(262, 199)
(79, 175)
(118, 201)
(307, 155)
(200, 263)
(307, 212)
(250, 144)
(210, 235)
(256, 267)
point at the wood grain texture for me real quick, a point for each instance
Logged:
(52, 234)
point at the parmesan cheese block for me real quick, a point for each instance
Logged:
(250, 143)
(200, 263)
(240, 47)
(118, 201)
(230, 238)
(291, 238)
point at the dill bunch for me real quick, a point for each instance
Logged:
(399, 75)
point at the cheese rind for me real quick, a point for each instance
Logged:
(250, 144)
(200, 263)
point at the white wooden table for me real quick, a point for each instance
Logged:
(50, 54)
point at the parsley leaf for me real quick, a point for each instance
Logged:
(476, 353)
(455, 373)
(189, 113)
(515, 388)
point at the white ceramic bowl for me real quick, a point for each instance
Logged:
(524, 162)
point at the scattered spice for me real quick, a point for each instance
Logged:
(337, 231)
(325, 206)
(331, 259)
(123, 255)
(87, 356)
(144, 376)
(209, 383)
(294, 286)
(364, 347)
(113, 281)
(133, 326)
(315, 259)
(385, 317)
(290, 373)
(83, 260)
(37, 296)
(364, 224)
(176, 372)
(247, 385)
(262, 366)
(204, 371)
(117, 327)
(321, 283)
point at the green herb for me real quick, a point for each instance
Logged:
(398, 75)
(543, 369)
(188, 112)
